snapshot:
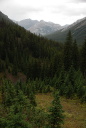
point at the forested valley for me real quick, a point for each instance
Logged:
(48, 67)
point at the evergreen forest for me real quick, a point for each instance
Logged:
(48, 67)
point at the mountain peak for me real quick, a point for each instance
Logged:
(42, 21)
(39, 27)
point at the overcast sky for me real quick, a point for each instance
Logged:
(57, 11)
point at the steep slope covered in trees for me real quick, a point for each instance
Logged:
(35, 56)
(78, 30)
(22, 51)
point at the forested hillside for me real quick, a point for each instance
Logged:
(39, 58)
(48, 67)
(78, 30)
(22, 51)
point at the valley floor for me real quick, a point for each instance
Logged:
(74, 111)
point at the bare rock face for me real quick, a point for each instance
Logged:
(39, 27)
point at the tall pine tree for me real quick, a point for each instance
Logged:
(68, 52)
(75, 55)
(56, 112)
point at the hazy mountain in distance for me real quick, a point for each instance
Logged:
(39, 27)
(78, 30)
(44, 28)
(27, 23)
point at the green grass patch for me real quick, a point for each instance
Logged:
(74, 111)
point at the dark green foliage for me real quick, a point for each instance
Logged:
(2, 66)
(56, 113)
(80, 86)
(40, 119)
(47, 66)
(61, 79)
(32, 98)
(35, 56)
(15, 113)
(83, 58)
(22, 51)
(68, 52)
(68, 87)
(75, 55)
(70, 84)
(8, 93)
(17, 108)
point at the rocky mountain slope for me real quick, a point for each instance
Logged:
(27, 23)
(78, 30)
(39, 27)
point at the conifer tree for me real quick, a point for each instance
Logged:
(80, 85)
(60, 81)
(68, 90)
(17, 107)
(71, 75)
(61, 78)
(56, 112)
(68, 52)
(17, 113)
(32, 99)
(75, 55)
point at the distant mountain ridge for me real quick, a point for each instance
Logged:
(78, 30)
(27, 23)
(39, 27)
(52, 31)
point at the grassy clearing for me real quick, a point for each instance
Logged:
(75, 113)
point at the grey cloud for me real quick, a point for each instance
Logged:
(20, 12)
(75, 13)
(25, 9)
(2, 1)
(68, 10)
(59, 8)
(78, 1)
(16, 11)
